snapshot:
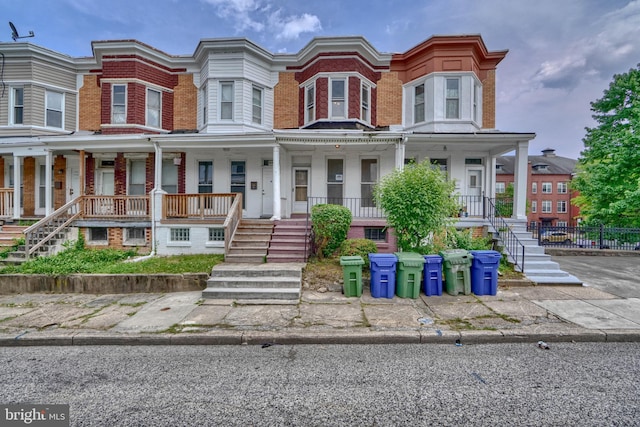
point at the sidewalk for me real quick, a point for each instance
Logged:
(515, 314)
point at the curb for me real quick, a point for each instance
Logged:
(302, 337)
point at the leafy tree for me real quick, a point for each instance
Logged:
(608, 171)
(417, 202)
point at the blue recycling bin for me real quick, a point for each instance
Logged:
(383, 275)
(432, 275)
(484, 272)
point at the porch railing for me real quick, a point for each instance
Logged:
(115, 207)
(198, 206)
(359, 207)
(232, 220)
(6, 202)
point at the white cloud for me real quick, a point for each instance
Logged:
(240, 12)
(290, 27)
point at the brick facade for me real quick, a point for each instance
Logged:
(389, 105)
(29, 187)
(90, 96)
(287, 101)
(185, 103)
(59, 181)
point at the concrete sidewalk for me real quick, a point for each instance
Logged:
(515, 314)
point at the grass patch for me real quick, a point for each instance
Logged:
(76, 259)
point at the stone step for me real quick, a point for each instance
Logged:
(253, 282)
(229, 269)
(245, 258)
(286, 258)
(256, 244)
(251, 293)
(566, 279)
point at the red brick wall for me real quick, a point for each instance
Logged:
(185, 103)
(90, 99)
(29, 185)
(120, 175)
(388, 109)
(1, 172)
(90, 175)
(288, 102)
(354, 97)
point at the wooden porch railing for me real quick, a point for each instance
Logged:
(115, 207)
(6, 202)
(198, 206)
(232, 220)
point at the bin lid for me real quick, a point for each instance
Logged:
(410, 259)
(456, 256)
(433, 259)
(382, 260)
(351, 260)
(487, 256)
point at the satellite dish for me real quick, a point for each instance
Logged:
(15, 35)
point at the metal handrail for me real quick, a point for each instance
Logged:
(510, 241)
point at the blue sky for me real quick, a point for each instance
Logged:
(562, 53)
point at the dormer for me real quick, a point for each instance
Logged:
(448, 84)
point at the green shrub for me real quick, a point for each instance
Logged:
(330, 226)
(362, 247)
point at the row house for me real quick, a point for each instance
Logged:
(169, 153)
(549, 191)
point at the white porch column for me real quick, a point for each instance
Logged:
(17, 179)
(48, 205)
(276, 184)
(520, 178)
(400, 148)
(157, 173)
(491, 185)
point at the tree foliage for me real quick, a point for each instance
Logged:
(608, 171)
(330, 226)
(417, 202)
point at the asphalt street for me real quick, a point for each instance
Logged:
(617, 275)
(571, 384)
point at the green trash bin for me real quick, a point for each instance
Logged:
(457, 271)
(409, 274)
(352, 271)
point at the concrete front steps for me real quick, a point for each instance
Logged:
(538, 266)
(250, 241)
(9, 233)
(242, 281)
(290, 241)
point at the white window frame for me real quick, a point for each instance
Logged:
(547, 188)
(335, 101)
(448, 97)
(13, 106)
(150, 109)
(180, 235)
(257, 108)
(501, 187)
(547, 206)
(134, 180)
(368, 202)
(476, 102)
(122, 115)
(563, 187)
(310, 103)
(365, 104)
(52, 108)
(534, 188)
(534, 206)
(419, 104)
(561, 206)
(228, 103)
(208, 164)
(205, 104)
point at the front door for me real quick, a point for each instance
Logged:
(72, 189)
(473, 193)
(267, 190)
(300, 189)
(106, 186)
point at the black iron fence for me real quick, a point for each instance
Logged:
(598, 237)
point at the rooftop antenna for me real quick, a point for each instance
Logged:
(14, 33)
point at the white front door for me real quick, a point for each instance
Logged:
(473, 193)
(106, 184)
(300, 189)
(267, 191)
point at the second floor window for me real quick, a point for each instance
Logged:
(418, 104)
(364, 103)
(546, 206)
(452, 99)
(310, 104)
(562, 188)
(338, 99)
(546, 188)
(534, 206)
(534, 187)
(54, 109)
(153, 108)
(256, 101)
(18, 106)
(226, 101)
(562, 206)
(119, 104)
